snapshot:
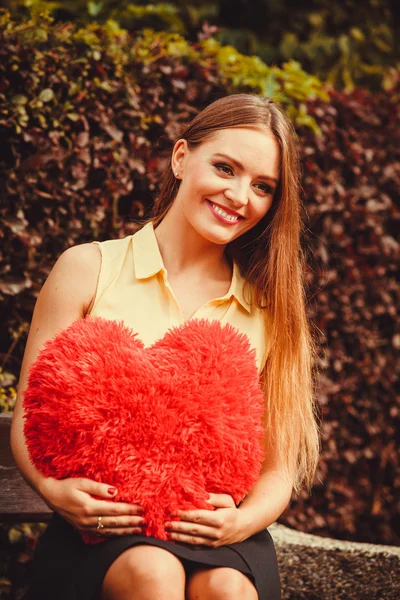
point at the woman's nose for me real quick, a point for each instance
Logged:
(237, 195)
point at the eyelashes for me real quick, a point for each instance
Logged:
(227, 170)
(221, 167)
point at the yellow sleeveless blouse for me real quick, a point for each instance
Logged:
(133, 287)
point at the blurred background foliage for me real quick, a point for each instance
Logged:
(344, 43)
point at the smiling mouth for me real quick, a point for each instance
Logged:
(231, 217)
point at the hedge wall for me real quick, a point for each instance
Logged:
(351, 186)
(86, 119)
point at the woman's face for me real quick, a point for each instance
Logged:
(228, 182)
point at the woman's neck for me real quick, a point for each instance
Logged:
(183, 249)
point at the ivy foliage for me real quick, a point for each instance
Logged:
(344, 43)
(237, 72)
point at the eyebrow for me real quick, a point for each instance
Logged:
(240, 166)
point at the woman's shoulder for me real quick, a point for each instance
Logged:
(87, 258)
(82, 258)
(77, 271)
(93, 264)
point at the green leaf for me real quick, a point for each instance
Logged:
(94, 8)
(46, 95)
(357, 34)
(19, 100)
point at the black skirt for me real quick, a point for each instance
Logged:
(65, 568)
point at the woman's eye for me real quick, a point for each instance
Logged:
(267, 189)
(227, 170)
(224, 168)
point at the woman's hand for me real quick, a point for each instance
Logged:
(72, 499)
(209, 528)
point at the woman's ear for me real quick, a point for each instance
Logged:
(179, 153)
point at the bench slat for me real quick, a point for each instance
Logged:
(18, 501)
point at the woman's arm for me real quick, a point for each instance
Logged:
(65, 297)
(272, 492)
(265, 503)
(270, 495)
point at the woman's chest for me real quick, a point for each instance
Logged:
(191, 295)
(150, 308)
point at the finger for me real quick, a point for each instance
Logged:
(191, 539)
(203, 517)
(192, 529)
(117, 522)
(121, 531)
(221, 500)
(101, 508)
(103, 490)
(99, 489)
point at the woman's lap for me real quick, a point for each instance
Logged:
(178, 577)
(66, 568)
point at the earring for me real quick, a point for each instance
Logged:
(176, 174)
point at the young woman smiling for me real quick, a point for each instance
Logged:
(223, 243)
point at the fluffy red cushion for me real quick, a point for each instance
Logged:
(165, 425)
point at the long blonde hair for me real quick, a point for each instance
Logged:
(272, 262)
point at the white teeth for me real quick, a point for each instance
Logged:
(224, 214)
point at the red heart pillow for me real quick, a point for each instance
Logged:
(165, 425)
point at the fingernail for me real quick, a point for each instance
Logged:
(112, 491)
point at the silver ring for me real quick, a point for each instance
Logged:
(99, 523)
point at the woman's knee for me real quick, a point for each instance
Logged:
(149, 562)
(148, 567)
(222, 583)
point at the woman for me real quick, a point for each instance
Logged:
(223, 243)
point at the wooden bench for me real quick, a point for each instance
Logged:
(18, 501)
